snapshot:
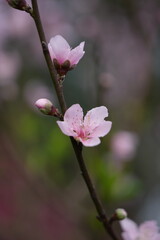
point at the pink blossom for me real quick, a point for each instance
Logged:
(123, 145)
(62, 54)
(146, 231)
(87, 130)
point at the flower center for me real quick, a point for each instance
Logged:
(82, 133)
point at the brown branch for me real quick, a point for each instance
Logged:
(76, 146)
(98, 205)
(53, 73)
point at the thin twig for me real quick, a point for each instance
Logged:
(53, 73)
(101, 212)
(76, 146)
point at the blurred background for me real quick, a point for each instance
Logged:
(42, 194)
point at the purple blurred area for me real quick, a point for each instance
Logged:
(28, 208)
(42, 195)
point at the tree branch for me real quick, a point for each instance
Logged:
(76, 146)
(53, 73)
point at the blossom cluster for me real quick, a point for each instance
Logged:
(89, 129)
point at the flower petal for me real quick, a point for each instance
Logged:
(53, 56)
(127, 236)
(90, 142)
(59, 48)
(76, 54)
(130, 229)
(95, 116)
(102, 129)
(74, 117)
(149, 230)
(65, 128)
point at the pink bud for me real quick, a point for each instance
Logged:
(63, 57)
(120, 214)
(46, 107)
(18, 4)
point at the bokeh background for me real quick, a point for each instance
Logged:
(42, 194)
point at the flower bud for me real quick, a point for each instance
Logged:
(120, 214)
(18, 4)
(46, 107)
(63, 57)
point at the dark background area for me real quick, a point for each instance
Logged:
(42, 194)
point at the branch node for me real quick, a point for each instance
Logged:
(101, 218)
(45, 47)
